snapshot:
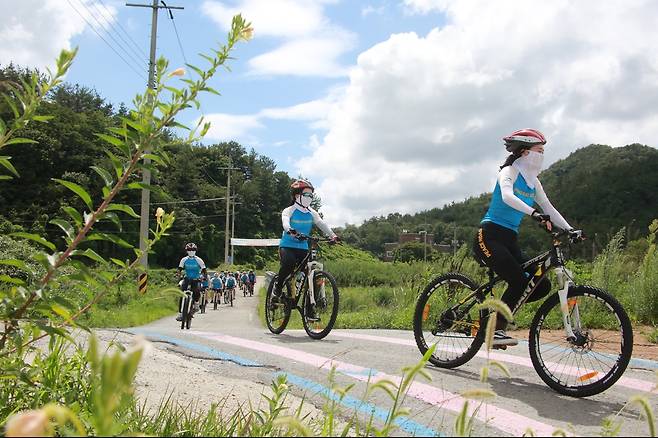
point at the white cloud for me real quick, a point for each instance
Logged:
(226, 127)
(233, 127)
(311, 46)
(34, 31)
(421, 121)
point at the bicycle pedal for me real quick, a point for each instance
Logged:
(500, 347)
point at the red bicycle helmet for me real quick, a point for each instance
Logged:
(190, 247)
(299, 185)
(523, 139)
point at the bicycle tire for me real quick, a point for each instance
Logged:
(185, 306)
(231, 295)
(335, 297)
(277, 328)
(203, 303)
(606, 301)
(214, 301)
(421, 314)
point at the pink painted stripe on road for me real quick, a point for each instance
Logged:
(501, 419)
(628, 382)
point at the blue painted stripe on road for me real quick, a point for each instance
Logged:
(202, 348)
(635, 362)
(403, 423)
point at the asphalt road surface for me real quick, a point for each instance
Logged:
(242, 348)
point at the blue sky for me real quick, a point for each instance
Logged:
(387, 105)
(243, 91)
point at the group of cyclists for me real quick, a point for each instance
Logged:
(516, 192)
(192, 273)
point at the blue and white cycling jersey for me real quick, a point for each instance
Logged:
(216, 283)
(513, 198)
(302, 220)
(192, 266)
(230, 282)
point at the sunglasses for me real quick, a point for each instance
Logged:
(307, 195)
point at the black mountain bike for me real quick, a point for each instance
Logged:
(315, 288)
(581, 339)
(216, 298)
(187, 308)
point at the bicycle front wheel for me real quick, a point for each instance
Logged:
(320, 319)
(598, 356)
(185, 310)
(448, 315)
(277, 310)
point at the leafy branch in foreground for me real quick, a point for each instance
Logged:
(138, 137)
(23, 99)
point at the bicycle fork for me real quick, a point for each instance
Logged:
(564, 279)
(312, 268)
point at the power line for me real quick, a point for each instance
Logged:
(180, 45)
(105, 41)
(110, 21)
(108, 33)
(124, 30)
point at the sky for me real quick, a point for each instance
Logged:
(385, 105)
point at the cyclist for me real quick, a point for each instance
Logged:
(229, 287)
(216, 286)
(244, 281)
(252, 281)
(298, 219)
(516, 192)
(194, 269)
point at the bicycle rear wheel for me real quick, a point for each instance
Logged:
(326, 306)
(598, 356)
(441, 318)
(277, 312)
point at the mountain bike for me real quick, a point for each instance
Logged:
(581, 339)
(186, 308)
(315, 288)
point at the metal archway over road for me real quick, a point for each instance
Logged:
(254, 242)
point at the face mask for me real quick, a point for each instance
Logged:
(530, 166)
(304, 201)
(191, 253)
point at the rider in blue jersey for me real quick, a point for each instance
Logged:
(516, 192)
(298, 219)
(195, 271)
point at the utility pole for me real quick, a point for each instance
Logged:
(233, 228)
(146, 174)
(228, 207)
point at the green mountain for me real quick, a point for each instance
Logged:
(597, 188)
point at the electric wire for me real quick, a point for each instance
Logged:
(124, 31)
(180, 45)
(105, 41)
(137, 59)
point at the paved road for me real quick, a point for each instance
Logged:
(246, 350)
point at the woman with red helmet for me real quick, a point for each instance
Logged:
(298, 219)
(516, 192)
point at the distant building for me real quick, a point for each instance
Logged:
(389, 248)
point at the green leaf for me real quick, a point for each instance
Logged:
(118, 164)
(42, 119)
(124, 208)
(136, 126)
(77, 189)
(61, 311)
(8, 279)
(5, 162)
(112, 140)
(65, 226)
(114, 218)
(75, 215)
(110, 238)
(155, 158)
(91, 254)
(35, 238)
(139, 185)
(119, 262)
(5, 177)
(20, 140)
(15, 263)
(107, 177)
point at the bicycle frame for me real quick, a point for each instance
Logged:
(308, 266)
(552, 259)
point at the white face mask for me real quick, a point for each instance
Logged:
(304, 201)
(530, 165)
(191, 253)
